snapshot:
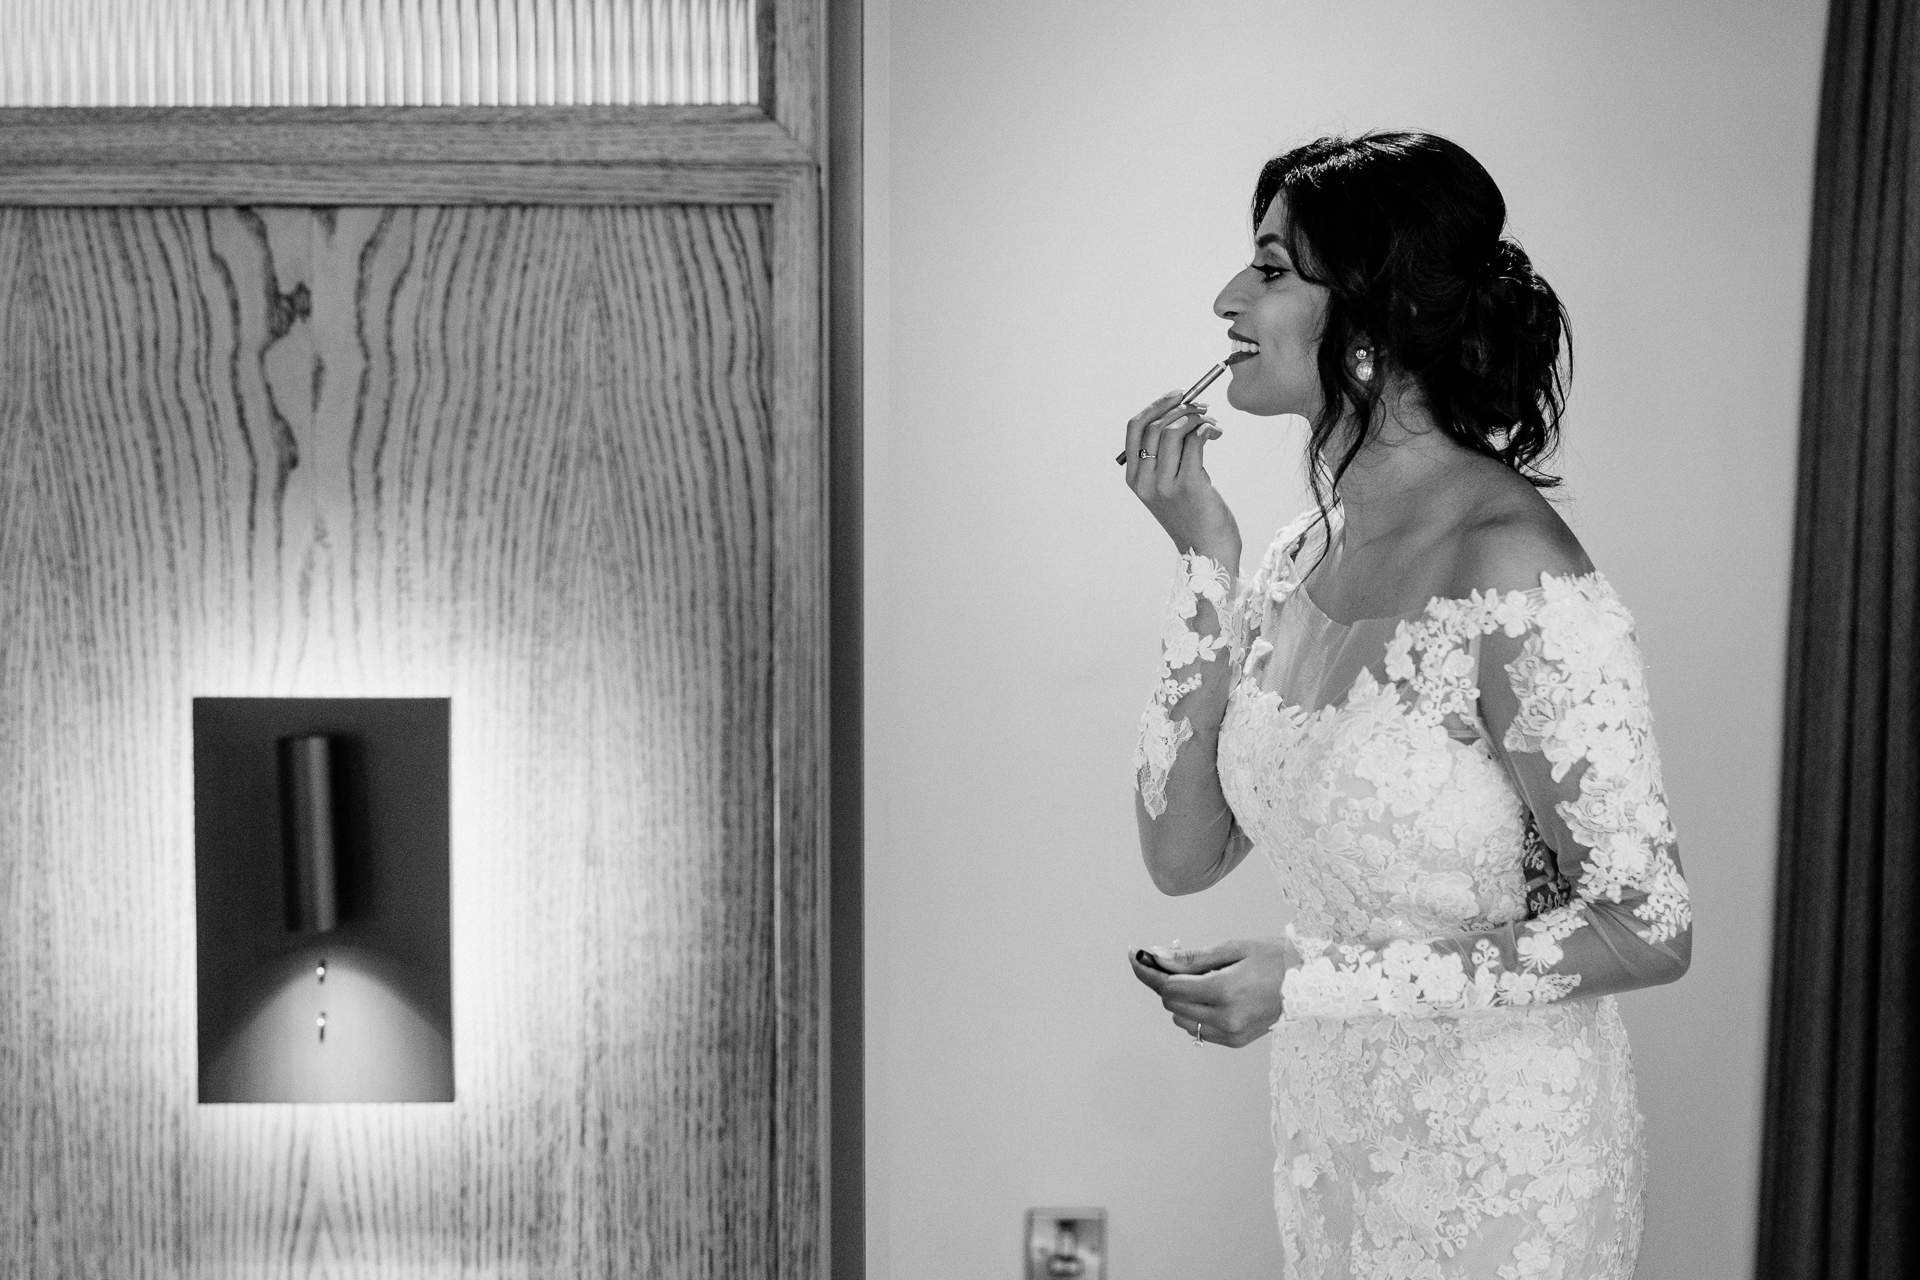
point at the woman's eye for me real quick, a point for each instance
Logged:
(1268, 273)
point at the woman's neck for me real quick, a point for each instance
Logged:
(1400, 481)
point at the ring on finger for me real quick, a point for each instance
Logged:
(1195, 1033)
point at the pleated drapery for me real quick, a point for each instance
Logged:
(1837, 1197)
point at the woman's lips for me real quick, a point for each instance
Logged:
(1238, 356)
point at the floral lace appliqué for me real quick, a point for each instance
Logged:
(1582, 700)
(1583, 697)
(1161, 736)
(1405, 977)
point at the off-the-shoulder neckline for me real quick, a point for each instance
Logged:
(1300, 590)
(1300, 585)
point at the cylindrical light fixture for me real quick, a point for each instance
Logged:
(307, 835)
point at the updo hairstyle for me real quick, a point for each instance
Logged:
(1404, 229)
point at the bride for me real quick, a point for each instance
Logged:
(1427, 709)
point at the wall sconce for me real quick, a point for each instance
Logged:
(307, 833)
(321, 899)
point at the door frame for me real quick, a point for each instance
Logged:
(778, 154)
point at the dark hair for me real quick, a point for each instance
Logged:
(1405, 231)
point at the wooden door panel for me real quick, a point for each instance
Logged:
(516, 456)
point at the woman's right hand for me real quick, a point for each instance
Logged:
(1173, 481)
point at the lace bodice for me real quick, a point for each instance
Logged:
(1463, 804)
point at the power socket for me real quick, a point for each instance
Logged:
(1066, 1244)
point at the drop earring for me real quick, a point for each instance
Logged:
(1363, 364)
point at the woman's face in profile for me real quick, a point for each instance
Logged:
(1269, 304)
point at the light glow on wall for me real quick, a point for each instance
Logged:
(257, 53)
(375, 1046)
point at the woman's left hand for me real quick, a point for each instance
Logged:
(1229, 994)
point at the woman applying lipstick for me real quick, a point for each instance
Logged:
(1426, 708)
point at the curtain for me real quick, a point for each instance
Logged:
(1838, 1157)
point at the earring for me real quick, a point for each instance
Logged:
(1362, 364)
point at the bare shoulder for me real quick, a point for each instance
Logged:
(1510, 543)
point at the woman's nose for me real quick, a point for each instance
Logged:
(1227, 304)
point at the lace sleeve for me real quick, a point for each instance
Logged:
(1190, 636)
(1565, 701)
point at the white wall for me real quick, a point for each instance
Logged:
(1057, 190)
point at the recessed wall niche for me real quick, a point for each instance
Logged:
(321, 899)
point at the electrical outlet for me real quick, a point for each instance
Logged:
(1066, 1244)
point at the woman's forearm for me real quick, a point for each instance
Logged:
(1185, 823)
(1189, 846)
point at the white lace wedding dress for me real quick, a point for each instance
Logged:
(1464, 808)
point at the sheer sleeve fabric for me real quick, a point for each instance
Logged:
(1205, 619)
(1554, 678)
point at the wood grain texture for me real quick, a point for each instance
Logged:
(793, 66)
(554, 463)
(150, 185)
(716, 135)
(801, 628)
